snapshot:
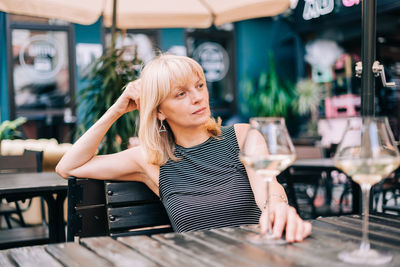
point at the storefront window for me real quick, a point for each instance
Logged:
(214, 50)
(41, 86)
(40, 72)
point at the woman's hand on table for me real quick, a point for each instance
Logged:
(285, 217)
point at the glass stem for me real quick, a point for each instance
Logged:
(267, 204)
(365, 189)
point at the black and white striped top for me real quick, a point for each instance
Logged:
(208, 187)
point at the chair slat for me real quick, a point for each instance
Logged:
(137, 216)
(126, 192)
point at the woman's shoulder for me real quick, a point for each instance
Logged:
(241, 132)
(138, 153)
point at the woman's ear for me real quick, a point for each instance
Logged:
(160, 115)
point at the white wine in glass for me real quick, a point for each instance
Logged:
(267, 151)
(367, 153)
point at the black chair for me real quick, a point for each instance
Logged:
(30, 161)
(97, 208)
(302, 185)
(388, 192)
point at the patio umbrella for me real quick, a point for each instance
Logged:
(148, 13)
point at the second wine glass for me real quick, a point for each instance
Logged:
(367, 153)
(266, 152)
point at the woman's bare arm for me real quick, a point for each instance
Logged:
(283, 216)
(81, 161)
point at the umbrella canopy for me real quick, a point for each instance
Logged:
(149, 13)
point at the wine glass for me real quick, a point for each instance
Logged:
(367, 153)
(266, 152)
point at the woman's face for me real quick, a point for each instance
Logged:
(186, 105)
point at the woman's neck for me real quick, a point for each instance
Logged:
(192, 137)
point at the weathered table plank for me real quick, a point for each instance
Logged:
(217, 247)
(240, 249)
(288, 251)
(72, 254)
(355, 229)
(202, 252)
(392, 222)
(353, 221)
(388, 223)
(340, 238)
(117, 253)
(5, 261)
(160, 253)
(339, 241)
(33, 256)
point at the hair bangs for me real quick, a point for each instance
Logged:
(181, 71)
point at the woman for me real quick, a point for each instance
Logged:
(184, 156)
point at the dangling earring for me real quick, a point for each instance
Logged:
(162, 128)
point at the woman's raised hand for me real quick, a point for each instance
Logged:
(129, 99)
(285, 217)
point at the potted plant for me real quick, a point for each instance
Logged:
(9, 129)
(306, 103)
(107, 78)
(268, 95)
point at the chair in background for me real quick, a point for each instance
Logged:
(302, 185)
(386, 194)
(30, 161)
(98, 208)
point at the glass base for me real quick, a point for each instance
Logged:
(266, 239)
(369, 257)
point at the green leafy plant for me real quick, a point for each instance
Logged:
(268, 95)
(9, 129)
(107, 78)
(308, 97)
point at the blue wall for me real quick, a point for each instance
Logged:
(4, 110)
(86, 34)
(171, 37)
(254, 39)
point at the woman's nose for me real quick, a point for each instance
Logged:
(196, 96)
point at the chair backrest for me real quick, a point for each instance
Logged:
(113, 208)
(30, 161)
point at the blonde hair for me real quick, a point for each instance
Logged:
(157, 79)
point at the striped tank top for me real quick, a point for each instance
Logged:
(208, 187)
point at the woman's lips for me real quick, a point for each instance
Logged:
(200, 111)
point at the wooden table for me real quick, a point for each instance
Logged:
(48, 185)
(218, 247)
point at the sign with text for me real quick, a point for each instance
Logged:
(214, 60)
(41, 54)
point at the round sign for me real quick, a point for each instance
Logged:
(213, 59)
(41, 56)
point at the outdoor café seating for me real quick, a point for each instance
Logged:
(12, 209)
(97, 208)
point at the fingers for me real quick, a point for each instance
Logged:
(280, 221)
(286, 218)
(133, 92)
(291, 224)
(307, 228)
(297, 229)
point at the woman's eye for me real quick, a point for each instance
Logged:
(180, 94)
(200, 85)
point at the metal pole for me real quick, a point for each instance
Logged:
(368, 55)
(114, 24)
